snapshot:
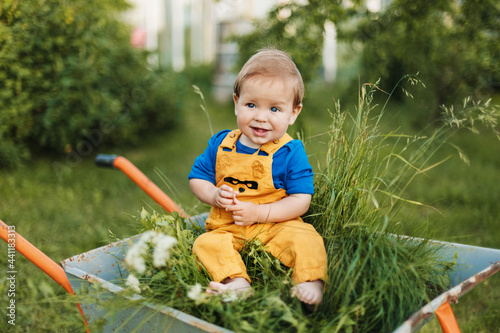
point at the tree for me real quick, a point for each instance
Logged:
(452, 45)
(298, 29)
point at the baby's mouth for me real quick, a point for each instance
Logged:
(259, 131)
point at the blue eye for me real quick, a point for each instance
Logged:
(274, 109)
(251, 105)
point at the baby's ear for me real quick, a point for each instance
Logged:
(295, 113)
(236, 98)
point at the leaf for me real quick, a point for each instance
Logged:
(144, 214)
(161, 275)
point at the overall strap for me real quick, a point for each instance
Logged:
(230, 139)
(270, 148)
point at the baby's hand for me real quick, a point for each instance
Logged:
(244, 213)
(224, 197)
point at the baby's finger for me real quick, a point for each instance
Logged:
(229, 189)
(233, 208)
(237, 218)
(225, 202)
(226, 195)
(228, 192)
(226, 188)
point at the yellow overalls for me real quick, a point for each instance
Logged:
(295, 243)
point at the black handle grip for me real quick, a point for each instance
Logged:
(105, 160)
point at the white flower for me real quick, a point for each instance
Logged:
(133, 283)
(162, 244)
(230, 295)
(135, 255)
(196, 293)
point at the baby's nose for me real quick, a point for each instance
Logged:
(260, 116)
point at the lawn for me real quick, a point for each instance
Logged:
(69, 206)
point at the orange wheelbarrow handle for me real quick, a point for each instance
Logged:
(37, 257)
(121, 163)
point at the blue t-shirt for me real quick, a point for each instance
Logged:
(291, 169)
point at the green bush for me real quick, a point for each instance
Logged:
(68, 76)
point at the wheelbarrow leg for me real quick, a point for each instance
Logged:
(37, 257)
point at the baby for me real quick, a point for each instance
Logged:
(259, 182)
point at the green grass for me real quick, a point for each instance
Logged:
(71, 213)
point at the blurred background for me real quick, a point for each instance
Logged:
(79, 78)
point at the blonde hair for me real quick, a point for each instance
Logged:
(272, 62)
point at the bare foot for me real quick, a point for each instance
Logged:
(310, 292)
(231, 289)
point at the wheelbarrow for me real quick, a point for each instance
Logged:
(103, 266)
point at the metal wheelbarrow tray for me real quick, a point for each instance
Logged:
(104, 267)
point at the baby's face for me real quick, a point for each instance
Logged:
(264, 110)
